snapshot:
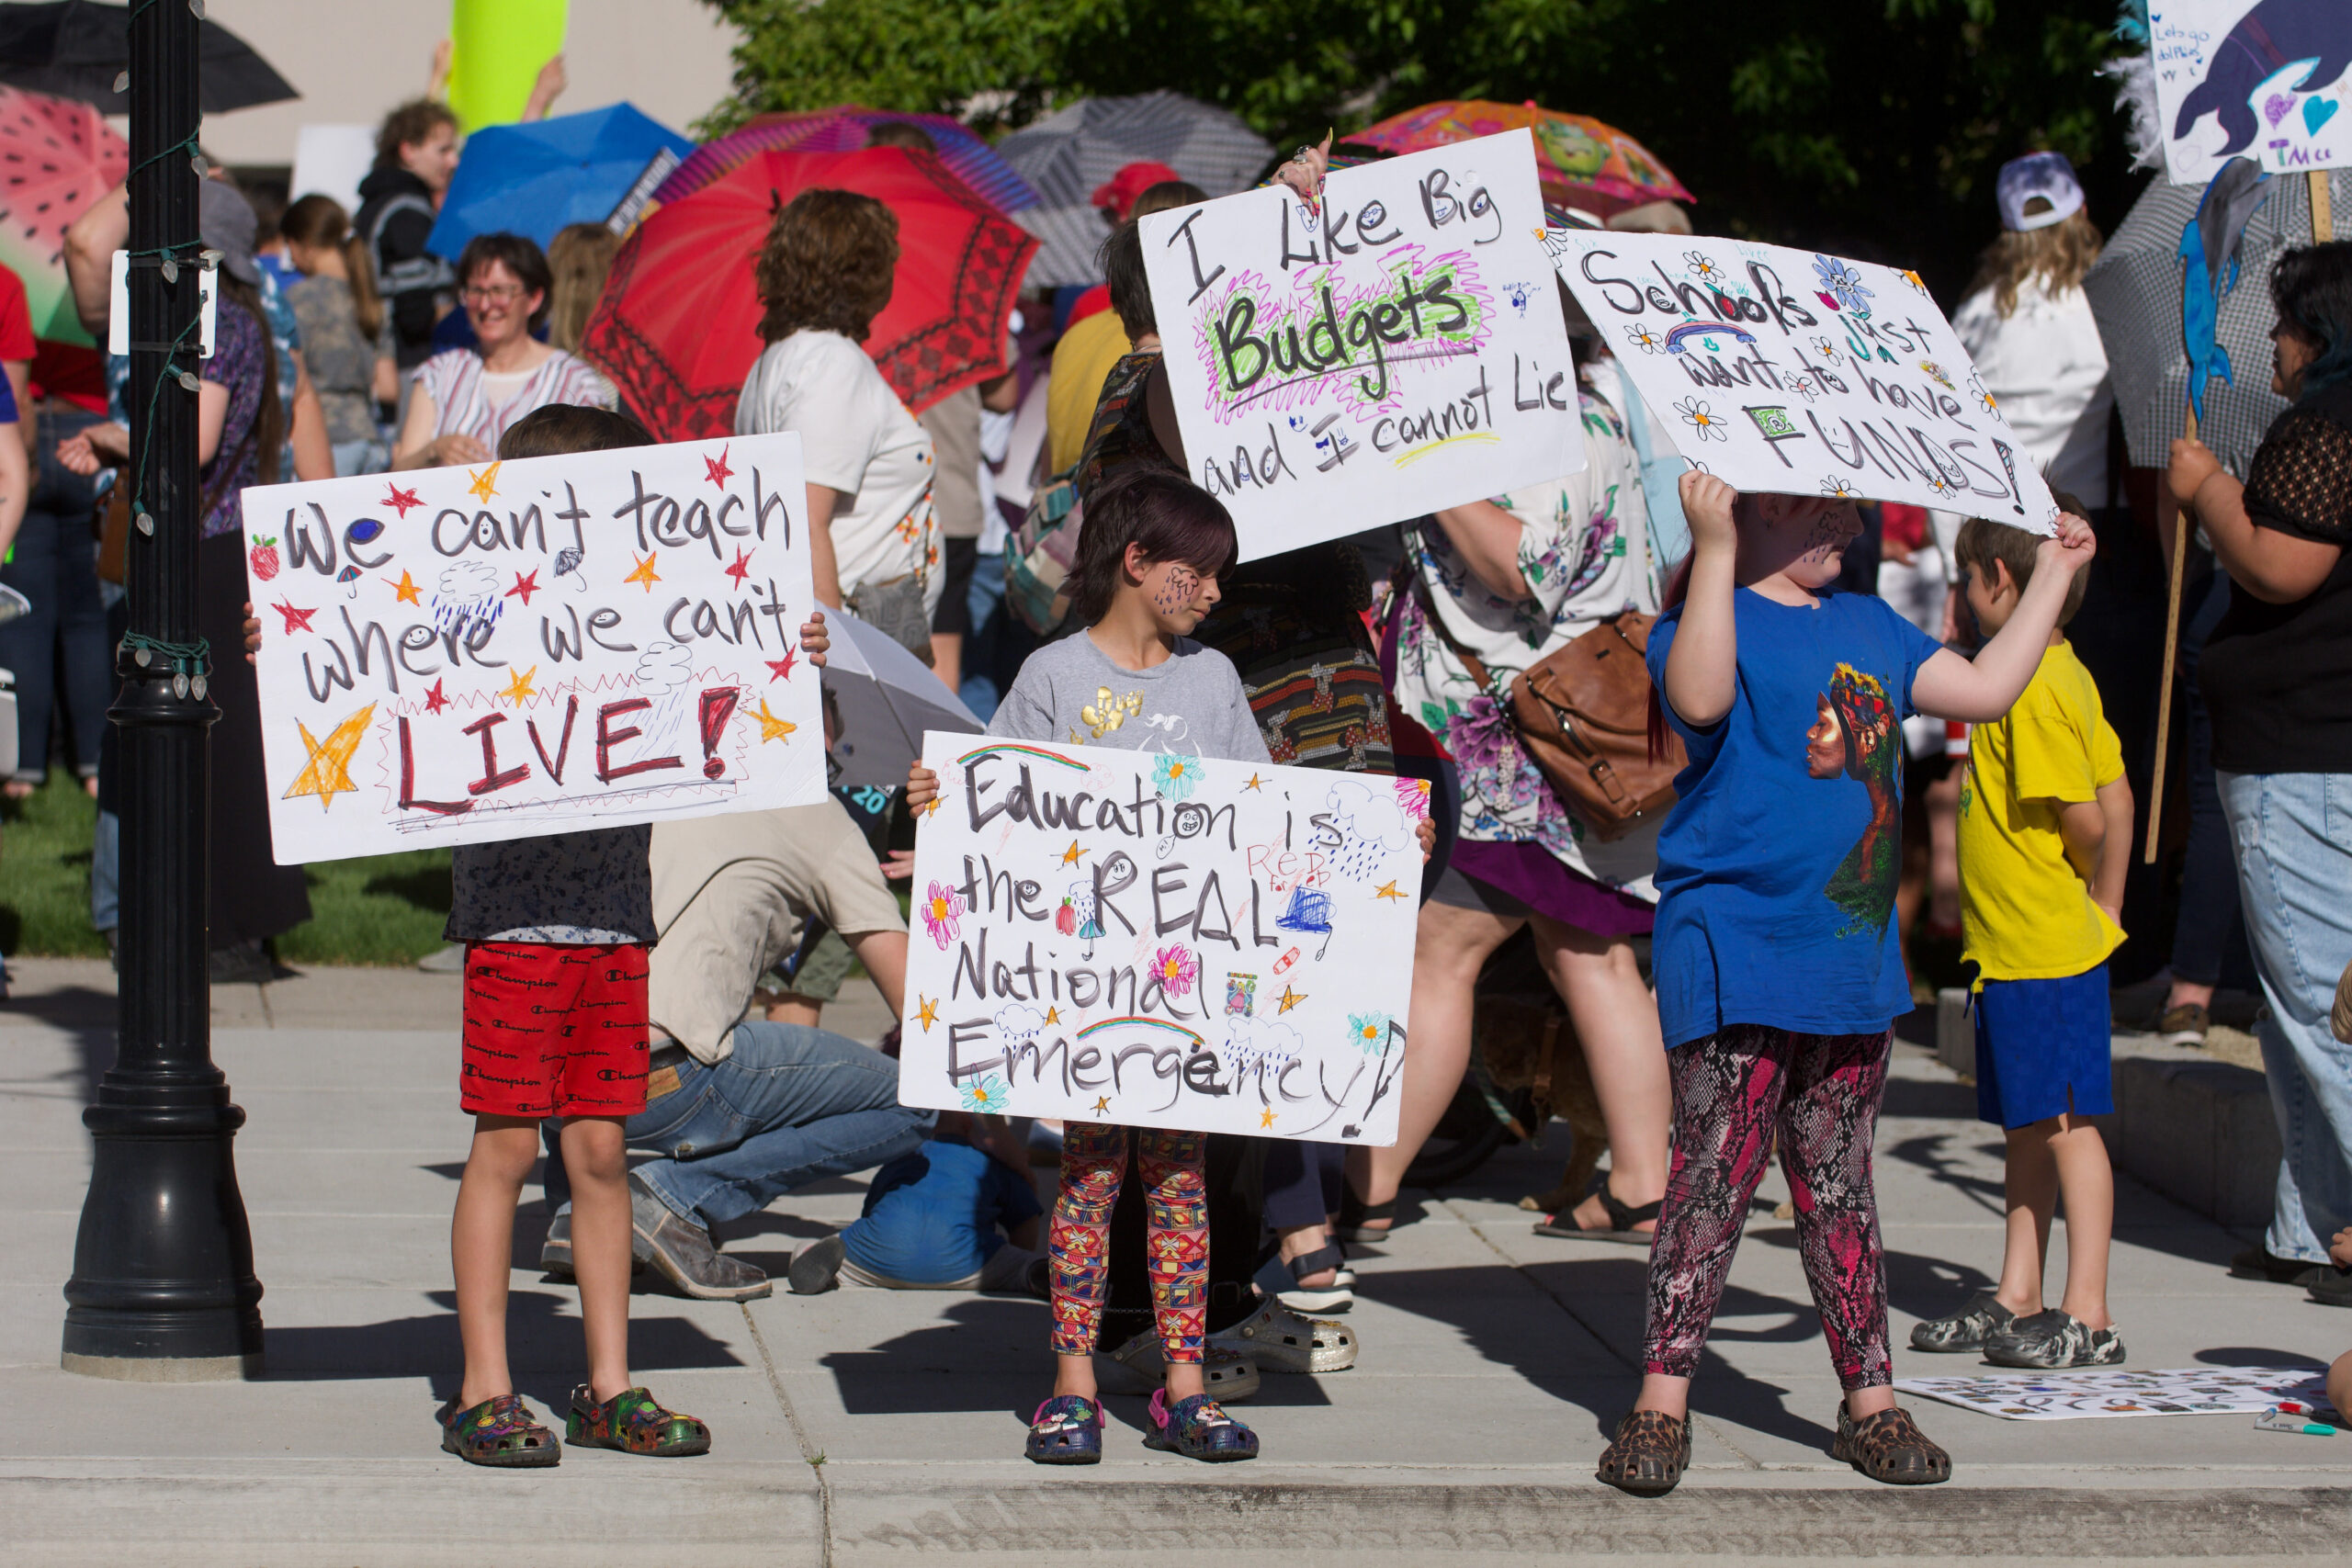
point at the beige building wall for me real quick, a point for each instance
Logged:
(352, 60)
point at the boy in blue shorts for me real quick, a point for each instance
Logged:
(938, 1219)
(2045, 831)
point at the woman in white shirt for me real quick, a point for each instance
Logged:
(824, 275)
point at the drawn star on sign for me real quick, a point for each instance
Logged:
(400, 500)
(645, 574)
(520, 687)
(405, 589)
(485, 484)
(781, 669)
(927, 1010)
(1290, 999)
(435, 701)
(1255, 783)
(1266, 1118)
(716, 470)
(1053, 1014)
(327, 773)
(525, 586)
(1070, 855)
(1386, 890)
(741, 569)
(771, 726)
(296, 620)
(1103, 1105)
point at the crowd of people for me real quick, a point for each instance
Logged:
(1894, 748)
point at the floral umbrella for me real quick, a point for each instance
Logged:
(1581, 162)
(56, 158)
(842, 129)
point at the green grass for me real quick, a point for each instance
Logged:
(385, 910)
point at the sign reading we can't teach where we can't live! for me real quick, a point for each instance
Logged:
(462, 654)
(1159, 940)
(1395, 349)
(1793, 372)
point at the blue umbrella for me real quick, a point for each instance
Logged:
(532, 179)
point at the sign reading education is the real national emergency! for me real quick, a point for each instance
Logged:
(1396, 348)
(1159, 940)
(1798, 373)
(455, 655)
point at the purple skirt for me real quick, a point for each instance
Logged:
(1530, 875)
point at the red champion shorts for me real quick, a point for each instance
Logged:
(554, 1031)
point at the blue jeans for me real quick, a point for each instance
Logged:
(790, 1106)
(2293, 833)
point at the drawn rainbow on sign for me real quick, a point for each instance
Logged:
(1154, 1022)
(1677, 336)
(1039, 751)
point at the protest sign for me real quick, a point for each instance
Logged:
(1397, 349)
(2260, 79)
(1161, 940)
(1798, 373)
(462, 654)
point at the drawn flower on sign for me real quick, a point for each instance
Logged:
(942, 907)
(1985, 399)
(1704, 268)
(1642, 338)
(1941, 486)
(1175, 969)
(1369, 1031)
(1703, 419)
(1805, 387)
(988, 1095)
(1413, 798)
(1175, 777)
(1836, 489)
(1841, 286)
(1826, 347)
(1937, 372)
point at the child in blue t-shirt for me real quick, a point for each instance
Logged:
(1779, 971)
(938, 1219)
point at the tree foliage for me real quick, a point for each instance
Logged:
(1870, 126)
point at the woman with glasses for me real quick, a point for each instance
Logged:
(464, 397)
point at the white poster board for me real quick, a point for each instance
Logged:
(1793, 372)
(1161, 940)
(1398, 351)
(2269, 80)
(455, 655)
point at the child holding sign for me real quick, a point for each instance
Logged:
(1778, 967)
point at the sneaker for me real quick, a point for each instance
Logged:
(555, 1253)
(2332, 1288)
(240, 963)
(2050, 1340)
(817, 1266)
(683, 1253)
(1965, 1329)
(2183, 1025)
(2261, 1263)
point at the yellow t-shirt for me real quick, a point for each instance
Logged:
(1081, 362)
(2026, 913)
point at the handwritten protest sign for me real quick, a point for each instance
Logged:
(1397, 350)
(1804, 374)
(2263, 79)
(1161, 940)
(462, 654)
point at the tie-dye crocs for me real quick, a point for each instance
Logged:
(500, 1432)
(631, 1422)
(1197, 1429)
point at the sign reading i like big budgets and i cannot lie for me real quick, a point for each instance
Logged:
(1395, 349)
(455, 655)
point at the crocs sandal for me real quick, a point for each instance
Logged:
(1280, 1340)
(1337, 1296)
(1067, 1429)
(631, 1423)
(1196, 1428)
(1137, 1367)
(1889, 1447)
(1648, 1455)
(1621, 1221)
(498, 1432)
(1354, 1214)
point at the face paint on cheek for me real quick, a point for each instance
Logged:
(1177, 590)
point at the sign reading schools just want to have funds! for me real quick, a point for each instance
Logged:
(1393, 350)
(462, 654)
(1157, 939)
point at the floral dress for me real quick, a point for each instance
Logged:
(1584, 550)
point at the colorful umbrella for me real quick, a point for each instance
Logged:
(843, 128)
(678, 326)
(1581, 161)
(532, 179)
(1070, 153)
(56, 158)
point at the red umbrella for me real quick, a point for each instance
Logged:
(843, 128)
(678, 326)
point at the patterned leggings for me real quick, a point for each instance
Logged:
(1094, 1159)
(1731, 1091)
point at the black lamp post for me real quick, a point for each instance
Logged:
(162, 1288)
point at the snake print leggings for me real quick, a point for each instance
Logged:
(1732, 1091)
(1176, 1222)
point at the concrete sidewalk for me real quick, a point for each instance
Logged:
(866, 1425)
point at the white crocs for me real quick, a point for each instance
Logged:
(1280, 1340)
(1230, 1371)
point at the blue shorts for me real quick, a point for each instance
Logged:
(2043, 1049)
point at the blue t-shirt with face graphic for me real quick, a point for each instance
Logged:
(1777, 867)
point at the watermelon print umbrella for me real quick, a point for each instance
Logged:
(1581, 162)
(842, 129)
(56, 158)
(678, 326)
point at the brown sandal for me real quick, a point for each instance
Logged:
(1649, 1455)
(1889, 1447)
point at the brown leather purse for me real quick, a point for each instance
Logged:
(1583, 715)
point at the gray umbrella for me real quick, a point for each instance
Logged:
(1069, 153)
(2135, 292)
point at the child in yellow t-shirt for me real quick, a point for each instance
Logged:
(2045, 830)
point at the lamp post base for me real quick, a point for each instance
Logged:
(168, 1368)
